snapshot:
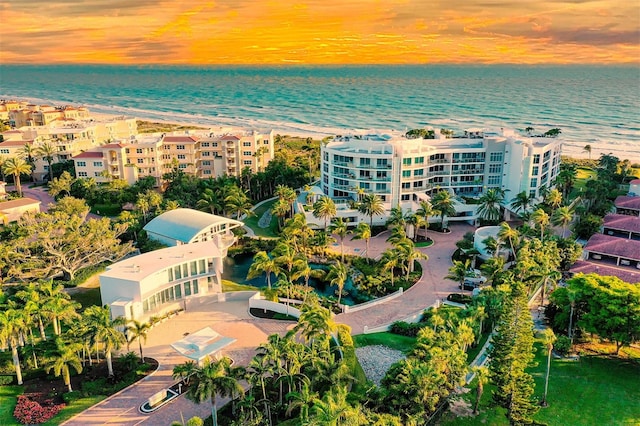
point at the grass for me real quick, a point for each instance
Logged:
(394, 341)
(593, 390)
(8, 396)
(473, 352)
(74, 408)
(252, 222)
(424, 243)
(87, 297)
(231, 286)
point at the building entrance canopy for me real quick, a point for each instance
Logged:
(202, 343)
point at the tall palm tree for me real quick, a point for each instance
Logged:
(57, 305)
(62, 359)
(426, 210)
(339, 227)
(363, 232)
(541, 219)
(390, 260)
(33, 301)
(47, 151)
(138, 330)
(210, 201)
(286, 194)
(280, 209)
(28, 152)
(522, 202)
(105, 331)
(482, 375)
(548, 339)
(553, 198)
(587, 148)
(211, 380)
(338, 275)
(332, 409)
(507, 233)
(444, 203)
(263, 264)
(459, 271)
(566, 178)
(562, 217)
(12, 327)
(371, 205)
(396, 217)
(490, 204)
(325, 209)
(16, 166)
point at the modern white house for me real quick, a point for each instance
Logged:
(405, 171)
(161, 281)
(186, 226)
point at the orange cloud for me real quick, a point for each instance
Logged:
(319, 31)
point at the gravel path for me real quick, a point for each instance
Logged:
(376, 360)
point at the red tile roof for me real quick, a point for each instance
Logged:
(88, 154)
(622, 222)
(229, 138)
(635, 182)
(180, 139)
(614, 246)
(628, 202)
(625, 274)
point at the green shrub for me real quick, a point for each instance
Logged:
(95, 387)
(69, 397)
(195, 421)
(6, 380)
(406, 329)
(562, 345)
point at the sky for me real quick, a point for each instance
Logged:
(320, 31)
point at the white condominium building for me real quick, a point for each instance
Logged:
(405, 171)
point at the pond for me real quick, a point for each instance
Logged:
(237, 267)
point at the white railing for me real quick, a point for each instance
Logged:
(370, 303)
(413, 318)
(258, 301)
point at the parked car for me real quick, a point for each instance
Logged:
(459, 298)
(474, 279)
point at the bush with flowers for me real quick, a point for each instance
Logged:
(29, 412)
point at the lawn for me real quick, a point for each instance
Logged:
(74, 408)
(394, 341)
(87, 297)
(8, 395)
(252, 222)
(231, 286)
(593, 390)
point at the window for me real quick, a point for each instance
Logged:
(206, 163)
(534, 182)
(417, 184)
(194, 268)
(495, 168)
(266, 142)
(97, 174)
(419, 160)
(205, 144)
(381, 186)
(187, 288)
(138, 150)
(406, 161)
(246, 153)
(365, 162)
(4, 151)
(493, 180)
(418, 172)
(185, 270)
(140, 160)
(247, 162)
(536, 159)
(214, 144)
(82, 174)
(246, 143)
(535, 171)
(206, 172)
(195, 286)
(206, 154)
(181, 157)
(406, 173)
(170, 274)
(81, 163)
(179, 146)
(178, 272)
(406, 185)
(495, 157)
(202, 266)
(178, 291)
(405, 197)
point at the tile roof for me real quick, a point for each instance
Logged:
(628, 202)
(614, 246)
(622, 222)
(180, 139)
(88, 154)
(112, 145)
(625, 274)
(19, 202)
(15, 143)
(635, 182)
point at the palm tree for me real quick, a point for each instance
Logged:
(396, 217)
(390, 260)
(521, 202)
(16, 166)
(185, 371)
(490, 204)
(371, 205)
(104, 330)
(286, 256)
(33, 301)
(338, 275)
(507, 233)
(263, 264)
(587, 148)
(426, 210)
(12, 327)
(47, 151)
(443, 202)
(548, 339)
(280, 209)
(562, 217)
(325, 209)
(553, 198)
(286, 194)
(332, 409)
(363, 232)
(138, 330)
(211, 380)
(459, 271)
(482, 375)
(28, 153)
(210, 201)
(62, 359)
(339, 227)
(566, 178)
(57, 305)
(540, 218)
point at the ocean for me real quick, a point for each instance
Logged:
(592, 105)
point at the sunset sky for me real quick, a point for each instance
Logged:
(320, 31)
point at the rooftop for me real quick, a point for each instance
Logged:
(185, 224)
(625, 274)
(88, 154)
(614, 246)
(141, 266)
(622, 222)
(20, 202)
(202, 343)
(180, 139)
(628, 202)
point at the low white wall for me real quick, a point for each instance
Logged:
(365, 305)
(413, 318)
(258, 302)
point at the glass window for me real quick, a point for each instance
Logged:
(178, 272)
(187, 288)
(194, 268)
(406, 161)
(202, 266)
(178, 291)
(419, 160)
(406, 173)
(170, 272)
(185, 270)
(195, 286)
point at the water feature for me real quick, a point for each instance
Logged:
(237, 267)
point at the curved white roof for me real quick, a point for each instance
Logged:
(186, 224)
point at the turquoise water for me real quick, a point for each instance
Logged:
(591, 104)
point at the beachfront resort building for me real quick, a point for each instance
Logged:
(205, 154)
(162, 281)
(405, 171)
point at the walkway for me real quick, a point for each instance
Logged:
(229, 319)
(431, 287)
